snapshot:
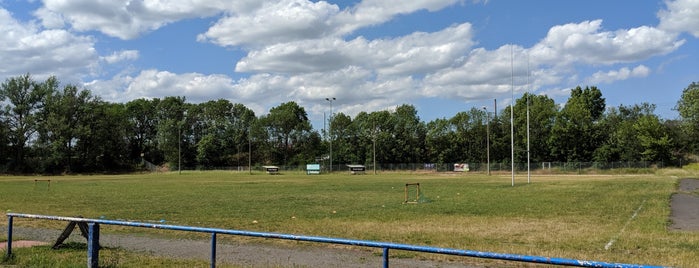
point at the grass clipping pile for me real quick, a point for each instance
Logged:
(685, 206)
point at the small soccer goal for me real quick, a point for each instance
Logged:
(412, 193)
(48, 183)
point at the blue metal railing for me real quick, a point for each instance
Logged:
(93, 243)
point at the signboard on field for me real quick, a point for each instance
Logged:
(312, 169)
(460, 167)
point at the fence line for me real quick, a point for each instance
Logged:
(577, 167)
(94, 229)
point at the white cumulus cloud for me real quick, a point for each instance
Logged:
(373, 12)
(28, 48)
(152, 83)
(412, 54)
(273, 22)
(621, 74)
(123, 55)
(680, 16)
(126, 19)
(586, 43)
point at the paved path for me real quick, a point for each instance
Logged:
(685, 206)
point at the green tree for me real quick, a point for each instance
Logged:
(225, 128)
(382, 123)
(175, 131)
(654, 139)
(409, 133)
(688, 108)
(143, 121)
(500, 138)
(24, 100)
(621, 140)
(469, 136)
(106, 145)
(542, 115)
(5, 152)
(287, 125)
(364, 131)
(67, 117)
(241, 119)
(575, 133)
(343, 136)
(440, 141)
(214, 146)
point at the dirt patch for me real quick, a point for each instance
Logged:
(23, 244)
(685, 206)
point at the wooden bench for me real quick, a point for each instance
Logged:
(357, 169)
(271, 169)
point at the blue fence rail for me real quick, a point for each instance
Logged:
(94, 230)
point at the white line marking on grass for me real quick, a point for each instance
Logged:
(635, 213)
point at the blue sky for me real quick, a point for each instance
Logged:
(443, 56)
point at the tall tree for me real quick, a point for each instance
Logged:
(343, 135)
(688, 108)
(575, 133)
(464, 125)
(382, 129)
(621, 141)
(225, 128)
(542, 115)
(364, 130)
(24, 101)
(5, 153)
(654, 139)
(440, 142)
(143, 129)
(67, 120)
(107, 143)
(287, 124)
(213, 148)
(242, 120)
(409, 133)
(175, 131)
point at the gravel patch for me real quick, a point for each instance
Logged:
(243, 254)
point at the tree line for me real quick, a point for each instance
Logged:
(49, 129)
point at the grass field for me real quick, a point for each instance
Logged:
(555, 216)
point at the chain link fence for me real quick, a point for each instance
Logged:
(541, 167)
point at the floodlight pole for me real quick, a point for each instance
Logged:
(179, 150)
(529, 172)
(179, 143)
(487, 134)
(249, 151)
(512, 113)
(330, 127)
(373, 132)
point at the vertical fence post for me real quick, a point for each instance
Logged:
(213, 250)
(93, 245)
(385, 257)
(8, 254)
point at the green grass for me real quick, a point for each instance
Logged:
(556, 216)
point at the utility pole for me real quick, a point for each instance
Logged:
(487, 131)
(512, 112)
(330, 100)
